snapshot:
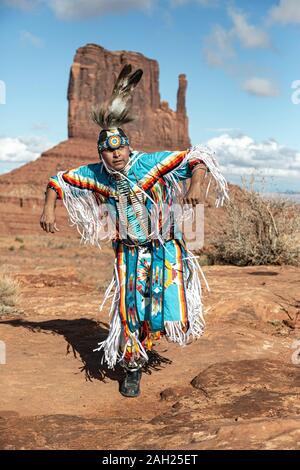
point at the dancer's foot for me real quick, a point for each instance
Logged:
(130, 387)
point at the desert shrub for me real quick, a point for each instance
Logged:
(259, 230)
(9, 294)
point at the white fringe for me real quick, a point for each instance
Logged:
(195, 312)
(174, 329)
(205, 155)
(174, 332)
(132, 341)
(194, 300)
(112, 345)
(84, 212)
(90, 218)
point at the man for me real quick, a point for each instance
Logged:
(156, 284)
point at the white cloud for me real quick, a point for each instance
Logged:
(249, 35)
(218, 47)
(81, 9)
(22, 4)
(242, 155)
(22, 149)
(78, 9)
(220, 50)
(260, 87)
(287, 11)
(205, 3)
(28, 37)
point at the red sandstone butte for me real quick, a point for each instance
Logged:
(92, 75)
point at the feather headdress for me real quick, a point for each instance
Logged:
(116, 111)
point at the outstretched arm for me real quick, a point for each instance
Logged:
(83, 192)
(79, 178)
(178, 166)
(195, 193)
(47, 220)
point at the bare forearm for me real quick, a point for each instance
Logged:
(50, 199)
(194, 194)
(198, 176)
(47, 220)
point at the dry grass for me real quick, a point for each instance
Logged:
(9, 294)
(259, 231)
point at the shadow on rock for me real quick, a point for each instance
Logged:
(82, 336)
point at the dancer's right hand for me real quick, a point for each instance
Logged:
(48, 221)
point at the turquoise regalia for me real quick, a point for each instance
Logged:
(155, 287)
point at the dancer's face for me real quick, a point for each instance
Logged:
(116, 159)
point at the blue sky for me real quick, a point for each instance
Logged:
(240, 59)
